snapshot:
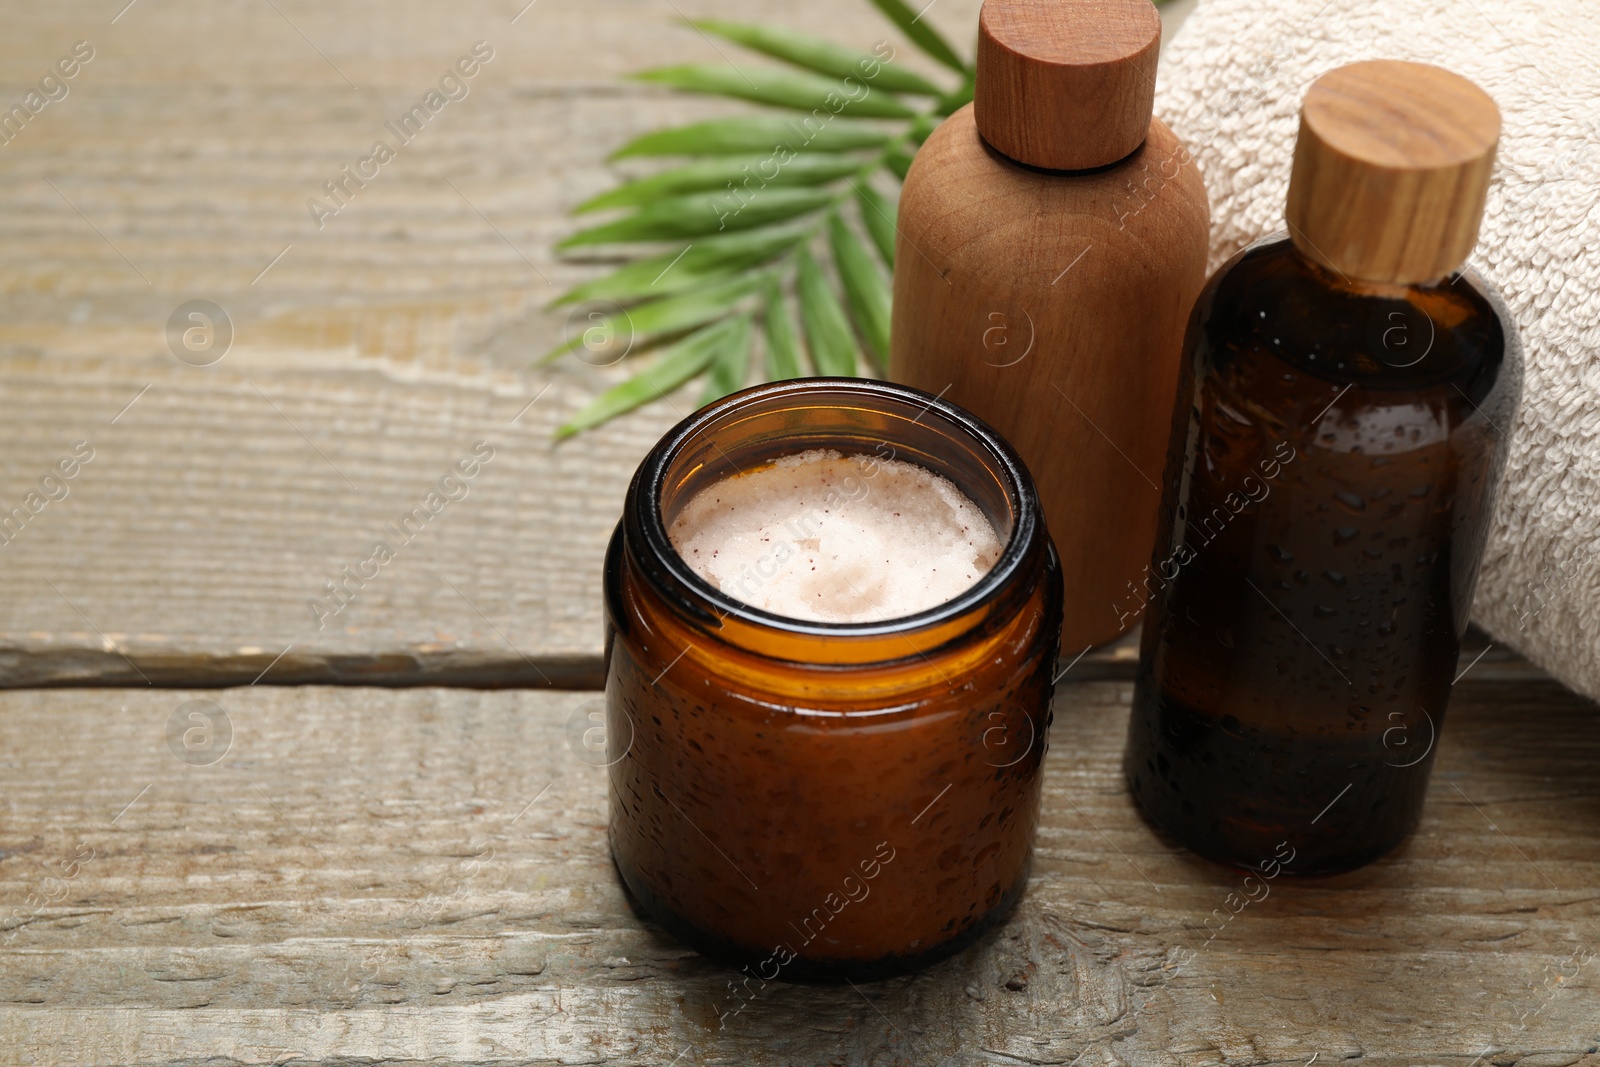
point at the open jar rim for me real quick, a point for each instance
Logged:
(973, 456)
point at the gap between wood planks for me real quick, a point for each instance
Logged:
(81, 667)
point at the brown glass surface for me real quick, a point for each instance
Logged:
(1335, 451)
(815, 800)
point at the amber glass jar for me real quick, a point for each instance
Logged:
(1335, 452)
(816, 800)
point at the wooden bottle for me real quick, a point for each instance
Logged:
(1052, 239)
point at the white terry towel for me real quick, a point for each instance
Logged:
(1231, 83)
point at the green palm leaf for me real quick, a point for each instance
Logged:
(754, 133)
(730, 367)
(673, 368)
(824, 97)
(877, 217)
(833, 349)
(925, 36)
(864, 287)
(821, 55)
(783, 343)
(683, 266)
(898, 159)
(701, 216)
(744, 173)
(642, 323)
(738, 223)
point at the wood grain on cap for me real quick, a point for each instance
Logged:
(1391, 170)
(1066, 84)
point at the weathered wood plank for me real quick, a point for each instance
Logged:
(366, 360)
(422, 874)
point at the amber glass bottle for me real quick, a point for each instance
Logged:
(816, 800)
(1338, 437)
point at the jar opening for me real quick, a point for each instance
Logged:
(854, 417)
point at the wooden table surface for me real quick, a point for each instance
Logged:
(391, 860)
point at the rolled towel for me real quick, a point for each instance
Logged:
(1231, 84)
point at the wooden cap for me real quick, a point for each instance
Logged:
(1066, 84)
(1391, 170)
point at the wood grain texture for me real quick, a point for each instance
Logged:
(1066, 86)
(1053, 307)
(178, 167)
(367, 358)
(1391, 170)
(419, 875)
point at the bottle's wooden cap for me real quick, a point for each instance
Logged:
(1066, 84)
(1391, 170)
